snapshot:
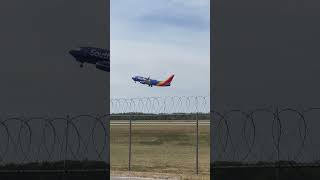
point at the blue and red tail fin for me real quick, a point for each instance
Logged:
(168, 81)
(165, 82)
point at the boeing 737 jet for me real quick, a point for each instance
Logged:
(153, 82)
(91, 55)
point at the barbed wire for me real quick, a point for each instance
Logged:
(250, 136)
(39, 139)
(156, 105)
(266, 136)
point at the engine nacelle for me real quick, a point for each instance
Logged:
(104, 67)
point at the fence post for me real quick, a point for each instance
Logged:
(197, 145)
(130, 131)
(277, 170)
(66, 148)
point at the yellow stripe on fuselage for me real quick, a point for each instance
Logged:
(161, 83)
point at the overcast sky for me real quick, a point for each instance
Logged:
(157, 39)
(38, 77)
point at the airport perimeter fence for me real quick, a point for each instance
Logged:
(266, 143)
(71, 147)
(161, 134)
(257, 143)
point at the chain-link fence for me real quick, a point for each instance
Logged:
(161, 134)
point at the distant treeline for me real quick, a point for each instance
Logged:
(160, 116)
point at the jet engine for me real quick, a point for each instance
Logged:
(103, 66)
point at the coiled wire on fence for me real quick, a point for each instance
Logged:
(265, 136)
(43, 139)
(157, 105)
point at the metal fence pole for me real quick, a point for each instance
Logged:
(278, 146)
(66, 149)
(197, 145)
(197, 138)
(130, 131)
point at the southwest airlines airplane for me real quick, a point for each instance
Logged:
(153, 82)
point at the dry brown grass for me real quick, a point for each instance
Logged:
(168, 150)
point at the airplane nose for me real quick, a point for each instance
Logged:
(74, 53)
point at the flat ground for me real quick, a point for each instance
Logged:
(161, 148)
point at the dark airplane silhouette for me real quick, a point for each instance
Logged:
(92, 55)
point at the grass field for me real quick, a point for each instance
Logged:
(168, 149)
